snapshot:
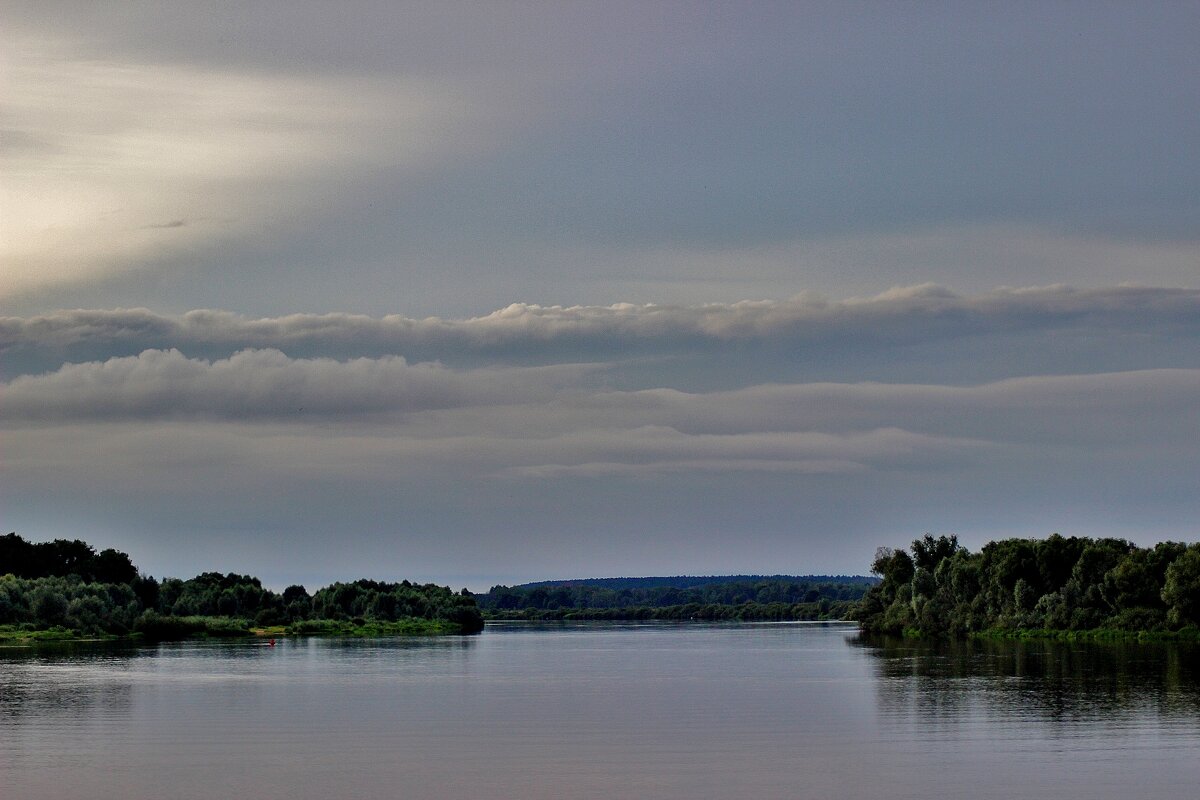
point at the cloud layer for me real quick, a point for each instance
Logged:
(538, 220)
(261, 383)
(602, 466)
(1090, 327)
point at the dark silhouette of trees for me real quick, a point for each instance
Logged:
(1181, 589)
(615, 594)
(61, 558)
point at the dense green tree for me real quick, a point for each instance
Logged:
(49, 607)
(1181, 588)
(63, 557)
(65, 582)
(293, 593)
(1056, 583)
(929, 551)
(111, 566)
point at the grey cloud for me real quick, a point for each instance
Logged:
(844, 427)
(1055, 319)
(260, 383)
(1154, 407)
(646, 452)
(1042, 408)
(561, 420)
(566, 473)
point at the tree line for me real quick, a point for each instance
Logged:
(67, 584)
(710, 612)
(1053, 584)
(692, 581)
(63, 557)
(601, 594)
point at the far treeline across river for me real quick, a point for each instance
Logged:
(1054, 587)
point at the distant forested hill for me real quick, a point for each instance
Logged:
(712, 597)
(691, 581)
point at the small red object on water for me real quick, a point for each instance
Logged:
(271, 643)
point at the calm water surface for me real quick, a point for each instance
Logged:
(602, 710)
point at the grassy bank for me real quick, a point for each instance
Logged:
(165, 629)
(370, 627)
(27, 634)
(1189, 634)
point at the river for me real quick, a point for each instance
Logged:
(601, 710)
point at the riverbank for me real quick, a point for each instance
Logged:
(18, 635)
(185, 628)
(1189, 634)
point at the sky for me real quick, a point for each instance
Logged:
(482, 293)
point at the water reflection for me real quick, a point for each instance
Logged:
(593, 711)
(58, 680)
(87, 679)
(1075, 682)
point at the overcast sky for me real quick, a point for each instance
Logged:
(491, 292)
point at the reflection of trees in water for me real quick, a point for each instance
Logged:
(59, 680)
(1060, 682)
(71, 680)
